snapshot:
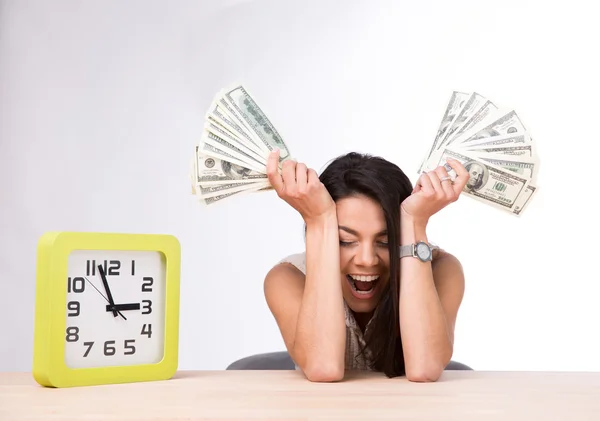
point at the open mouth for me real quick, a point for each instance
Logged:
(363, 286)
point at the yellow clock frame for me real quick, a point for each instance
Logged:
(54, 248)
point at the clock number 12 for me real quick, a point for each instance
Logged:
(111, 267)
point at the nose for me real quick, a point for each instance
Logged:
(366, 256)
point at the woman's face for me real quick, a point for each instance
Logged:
(364, 255)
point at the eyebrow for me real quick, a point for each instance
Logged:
(354, 232)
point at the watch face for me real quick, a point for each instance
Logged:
(130, 332)
(423, 251)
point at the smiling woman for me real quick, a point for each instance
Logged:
(361, 222)
(361, 296)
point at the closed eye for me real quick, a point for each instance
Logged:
(349, 243)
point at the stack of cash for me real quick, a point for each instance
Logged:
(231, 157)
(493, 145)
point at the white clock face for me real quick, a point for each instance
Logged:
(94, 336)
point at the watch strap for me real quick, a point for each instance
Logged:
(407, 250)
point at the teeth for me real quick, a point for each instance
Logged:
(358, 291)
(364, 278)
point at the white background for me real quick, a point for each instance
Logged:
(102, 102)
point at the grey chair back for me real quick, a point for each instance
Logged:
(281, 360)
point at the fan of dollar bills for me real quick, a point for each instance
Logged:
(495, 147)
(236, 140)
(490, 141)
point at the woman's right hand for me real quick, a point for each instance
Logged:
(300, 187)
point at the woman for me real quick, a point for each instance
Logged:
(351, 301)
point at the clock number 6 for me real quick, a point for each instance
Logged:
(109, 349)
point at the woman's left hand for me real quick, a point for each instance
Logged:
(434, 191)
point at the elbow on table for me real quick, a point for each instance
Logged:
(429, 368)
(424, 374)
(324, 372)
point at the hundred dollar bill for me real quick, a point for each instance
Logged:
(224, 143)
(213, 171)
(219, 198)
(219, 148)
(217, 114)
(226, 138)
(483, 113)
(215, 199)
(488, 183)
(455, 103)
(520, 165)
(471, 106)
(504, 124)
(521, 150)
(239, 102)
(204, 192)
(499, 141)
(524, 199)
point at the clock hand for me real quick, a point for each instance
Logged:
(94, 286)
(108, 293)
(123, 307)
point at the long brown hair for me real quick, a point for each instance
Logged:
(362, 174)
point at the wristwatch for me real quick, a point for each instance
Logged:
(421, 250)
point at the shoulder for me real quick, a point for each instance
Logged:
(445, 259)
(283, 291)
(297, 260)
(288, 274)
(448, 274)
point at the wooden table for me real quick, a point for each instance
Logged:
(287, 395)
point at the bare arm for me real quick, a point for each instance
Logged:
(430, 295)
(321, 331)
(309, 309)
